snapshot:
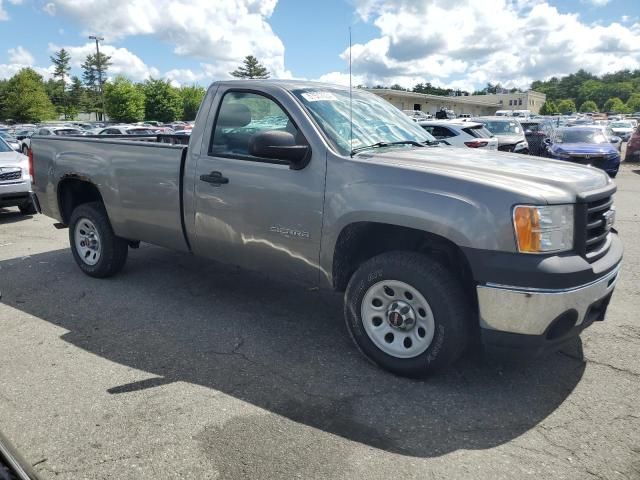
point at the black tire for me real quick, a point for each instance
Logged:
(442, 290)
(28, 208)
(113, 249)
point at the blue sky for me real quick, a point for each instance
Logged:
(463, 43)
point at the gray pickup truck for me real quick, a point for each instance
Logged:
(433, 246)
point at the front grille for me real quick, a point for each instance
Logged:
(506, 148)
(7, 176)
(595, 220)
(597, 161)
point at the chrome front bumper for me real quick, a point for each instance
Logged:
(530, 311)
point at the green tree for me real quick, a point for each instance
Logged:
(26, 98)
(633, 104)
(3, 99)
(77, 95)
(123, 101)
(251, 68)
(94, 76)
(61, 67)
(163, 102)
(549, 108)
(191, 100)
(614, 105)
(566, 106)
(589, 106)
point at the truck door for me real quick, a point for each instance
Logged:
(256, 212)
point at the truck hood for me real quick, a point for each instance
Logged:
(13, 159)
(538, 178)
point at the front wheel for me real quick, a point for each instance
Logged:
(407, 313)
(96, 249)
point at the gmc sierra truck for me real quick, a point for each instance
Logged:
(432, 246)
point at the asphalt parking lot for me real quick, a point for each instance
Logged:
(182, 368)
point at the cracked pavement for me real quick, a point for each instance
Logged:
(183, 368)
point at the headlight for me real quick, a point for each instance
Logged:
(521, 145)
(543, 229)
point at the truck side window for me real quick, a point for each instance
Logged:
(242, 115)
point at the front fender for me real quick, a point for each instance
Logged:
(454, 216)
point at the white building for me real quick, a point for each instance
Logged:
(474, 105)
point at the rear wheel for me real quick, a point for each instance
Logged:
(407, 313)
(96, 249)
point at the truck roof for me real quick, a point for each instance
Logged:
(285, 84)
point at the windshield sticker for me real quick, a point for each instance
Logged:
(319, 97)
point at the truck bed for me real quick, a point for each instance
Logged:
(140, 182)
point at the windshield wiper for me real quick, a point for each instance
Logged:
(432, 143)
(386, 144)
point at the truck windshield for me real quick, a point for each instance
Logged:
(375, 121)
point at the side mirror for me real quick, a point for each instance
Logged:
(614, 139)
(280, 145)
(528, 132)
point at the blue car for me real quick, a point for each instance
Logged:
(587, 146)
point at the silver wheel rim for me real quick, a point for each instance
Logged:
(87, 241)
(397, 319)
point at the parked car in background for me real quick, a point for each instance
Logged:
(622, 129)
(183, 132)
(417, 114)
(22, 133)
(127, 130)
(633, 148)
(581, 121)
(445, 114)
(586, 146)
(11, 141)
(461, 133)
(614, 139)
(536, 132)
(509, 132)
(15, 180)
(48, 131)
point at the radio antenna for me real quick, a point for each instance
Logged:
(350, 98)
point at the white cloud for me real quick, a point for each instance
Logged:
(124, 62)
(50, 8)
(20, 55)
(9, 70)
(471, 43)
(215, 32)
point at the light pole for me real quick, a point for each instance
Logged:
(99, 68)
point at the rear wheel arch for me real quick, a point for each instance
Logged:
(74, 191)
